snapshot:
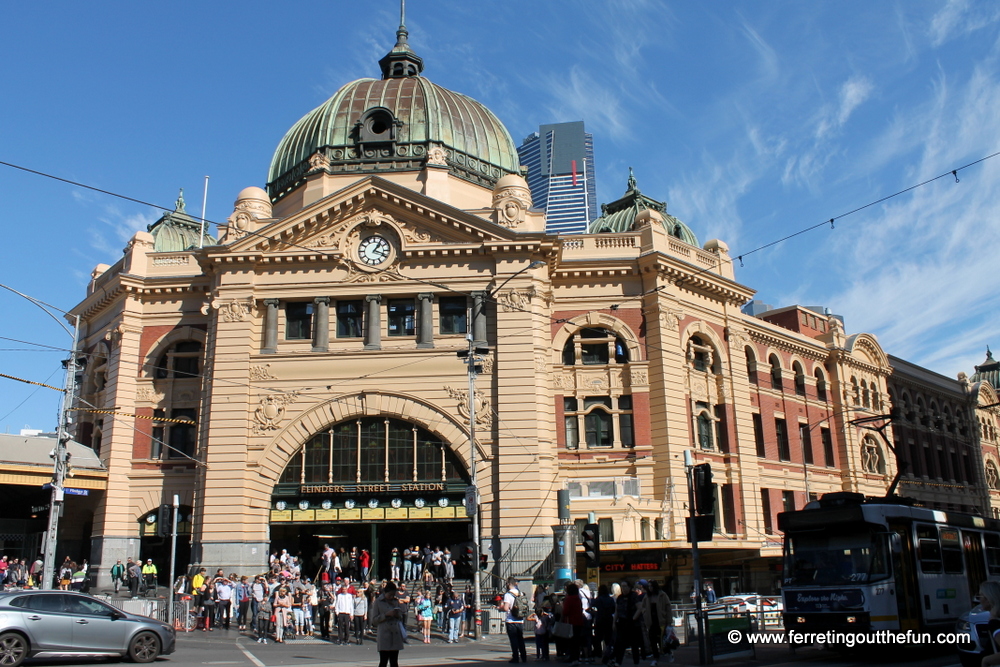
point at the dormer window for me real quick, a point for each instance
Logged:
(377, 126)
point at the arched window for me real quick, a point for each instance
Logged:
(599, 420)
(776, 381)
(373, 450)
(595, 346)
(751, 364)
(181, 360)
(871, 457)
(857, 391)
(705, 427)
(992, 479)
(702, 356)
(800, 379)
(865, 396)
(820, 384)
(598, 423)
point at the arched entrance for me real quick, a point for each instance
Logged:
(374, 483)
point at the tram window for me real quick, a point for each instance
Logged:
(951, 551)
(928, 549)
(992, 553)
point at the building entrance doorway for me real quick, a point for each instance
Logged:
(372, 483)
(306, 542)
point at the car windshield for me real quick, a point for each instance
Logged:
(819, 559)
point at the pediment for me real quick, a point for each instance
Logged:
(332, 224)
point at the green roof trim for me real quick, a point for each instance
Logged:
(619, 215)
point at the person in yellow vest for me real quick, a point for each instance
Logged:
(149, 574)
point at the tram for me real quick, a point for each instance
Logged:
(853, 564)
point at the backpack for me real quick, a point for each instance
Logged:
(520, 608)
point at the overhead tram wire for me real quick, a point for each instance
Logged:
(830, 221)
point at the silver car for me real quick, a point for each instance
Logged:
(64, 624)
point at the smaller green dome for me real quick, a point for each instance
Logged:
(177, 231)
(988, 371)
(619, 215)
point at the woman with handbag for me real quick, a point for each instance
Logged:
(387, 617)
(208, 605)
(282, 610)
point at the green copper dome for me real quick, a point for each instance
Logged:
(391, 124)
(619, 215)
(177, 231)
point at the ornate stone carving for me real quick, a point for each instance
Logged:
(271, 411)
(484, 411)
(437, 156)
(514, 300)
(541, 363)
(487, 364)
(260, 372)
(236, 310)
(639, 378)
(319, 160)
(566, 381)
(670, 319)
(738, 337)
(147, 394)
(510, 206)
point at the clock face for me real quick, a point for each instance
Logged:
(442, 502)
(327, 504)
(280, 505)
(303, 504)
(397, 503)
(151, 518)
(349, 504)
(373, 503)
(373, 250)
(419, 503)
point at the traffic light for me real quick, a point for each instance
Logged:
(704, 489)
(165, 521)
(468, 557)
(592, 544)
(484, 562)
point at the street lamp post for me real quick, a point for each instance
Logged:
(472, 358)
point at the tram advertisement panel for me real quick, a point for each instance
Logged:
(846, 599)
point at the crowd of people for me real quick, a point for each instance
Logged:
(588, 628)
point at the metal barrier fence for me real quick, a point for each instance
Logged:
(152, 607)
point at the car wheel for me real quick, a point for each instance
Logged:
(13, 649)
(144, 647)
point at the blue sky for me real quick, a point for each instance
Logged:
(752, 120)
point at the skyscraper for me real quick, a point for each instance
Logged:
(560, 162)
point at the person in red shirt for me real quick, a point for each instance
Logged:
(366, 563)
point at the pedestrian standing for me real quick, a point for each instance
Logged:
(118, 575)
(387, 617)
(572, 613)
(514, 622)
(627, 633)
(149, 574)
(282, 610)
(263, 620)
(360, 615)
(394, 564)
(134, 577)
(657, 615)
(224, 601)
(407, 564)
(456, 610)
(345, 610)
(242, 597)
(324, 602)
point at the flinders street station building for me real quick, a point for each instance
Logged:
(294, 373)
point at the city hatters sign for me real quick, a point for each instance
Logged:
(412, 487)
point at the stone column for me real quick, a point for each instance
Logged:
(425, 332)
(373, 322)
(321, 324)
(479, 318)
(270, 327)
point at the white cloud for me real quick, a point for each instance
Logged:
(960, 17)
(852, 94)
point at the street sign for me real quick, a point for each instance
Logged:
(471, 504)
(69, 492)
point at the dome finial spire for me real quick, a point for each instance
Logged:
(401, 62)
(631, 180)
(179, 204)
